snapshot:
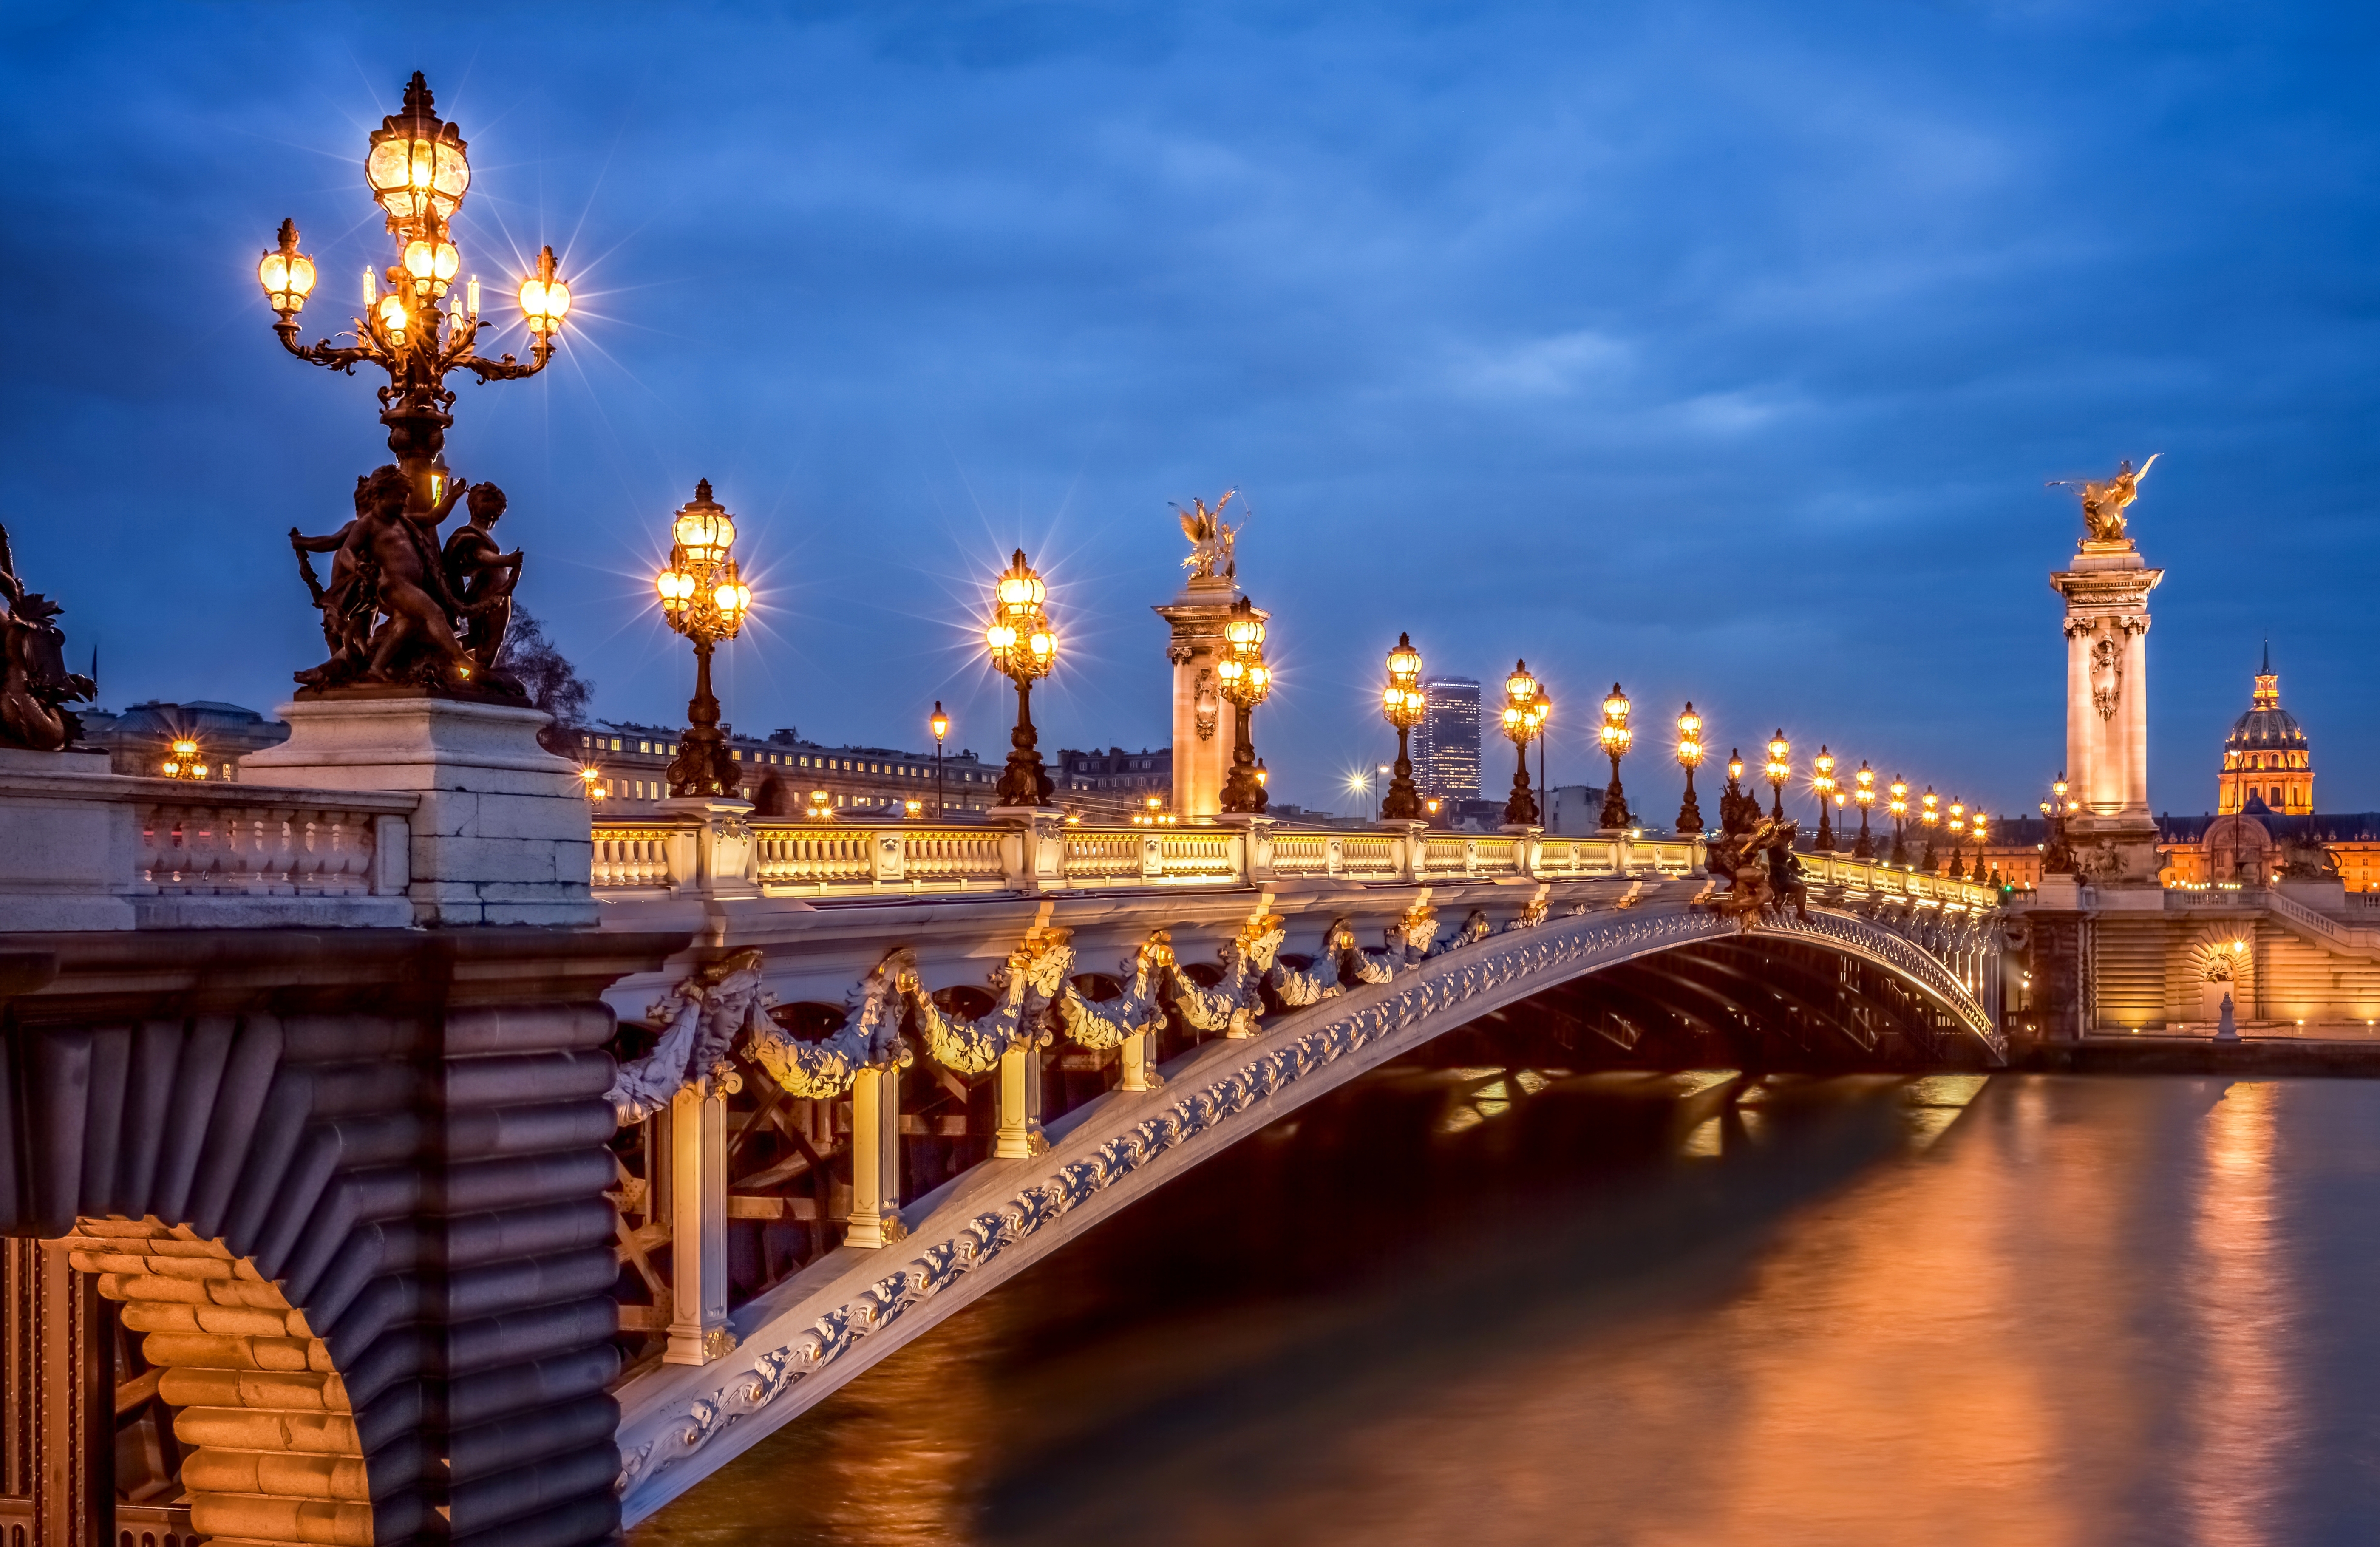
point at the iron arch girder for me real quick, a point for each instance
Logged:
(1748, 989)
(1735, 1020)
(1794, 982)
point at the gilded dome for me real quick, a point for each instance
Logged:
(2266, 730)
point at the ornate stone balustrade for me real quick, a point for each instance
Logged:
(82, 848)
(657, 856)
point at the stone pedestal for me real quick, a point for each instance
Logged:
(720, 860)
(1202, 721)
(2107, 594)
(66, 843)
(1034, 858)
(501, 834)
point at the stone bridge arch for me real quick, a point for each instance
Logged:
(796, 1343)
(351, 1202)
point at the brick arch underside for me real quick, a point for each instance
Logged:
(377, 1281)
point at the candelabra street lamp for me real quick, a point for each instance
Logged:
(1982, 837)
(703, 597)
(1402, 704)
(1690, 754)
(1244, 680)
(1023, 648)
(2057, 854)
(418, 172)
(1822, 780)
(1863, 791)
(1616, 738)
(1525, 710)
(1780, 769)
(1958, 834)
(183, 759)
(1898, 807)
(1737, 811)
(1929, 814)
(940, 726)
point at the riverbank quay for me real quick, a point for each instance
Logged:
(2146, 1053)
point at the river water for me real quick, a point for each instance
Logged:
(1478, 1307)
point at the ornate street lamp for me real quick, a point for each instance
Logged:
(703, 597)
(1023, 648)
(184, 761)
(1525, 709)
(1780, 769)
(1958, 836)
(590, 782)
(1898, 807)
(1822, 780)
(1737, 811)
(1616, 738)
(1690, 755)
(417, 171)
(2057, 854)
(940, 726)
(1982, 837)
(1402, 704)
(1929, 813)
(1244, 680)
(445, 619)
(1863, 791)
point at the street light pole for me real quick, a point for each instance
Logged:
(1023, 647)
(1402, 704)
(1780, 769)
(1246, 680)
(940, 725)
(1524, 714)
(1616, 738)
(1863, 791)
(1690, 753)
(703, 597)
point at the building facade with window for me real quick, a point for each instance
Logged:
(631, 763)
(136, 739)
(1114, 784)
(1446, 743)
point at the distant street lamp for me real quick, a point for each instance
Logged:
(1402, 704)
(1982, 837)
(590, 783)
(1898, 807)
(940, 726)
(703, 597)
(1246, 680)
(1023, 648)
(1690, 754)
(1616, 738)
(2057, 854)
(184, 761)
(1737, 811)
(1780, 769)
(1958, 834)
(1524, 714)
(1822, 780)
(1929, 813)
(1863, 791)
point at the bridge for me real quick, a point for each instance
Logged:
(435, 1232)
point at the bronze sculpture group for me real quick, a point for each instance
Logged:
(35, 686)
(401, 610)
(1753, 854)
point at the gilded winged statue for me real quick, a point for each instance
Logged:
(1210, 538)
(2104, 503)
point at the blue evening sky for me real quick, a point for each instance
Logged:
(1720, 348)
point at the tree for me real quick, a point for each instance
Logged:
(553, 682)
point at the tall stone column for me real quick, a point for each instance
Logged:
(2107, 591)
(1202, 731)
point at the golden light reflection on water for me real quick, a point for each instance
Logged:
(2239, 1283)
(1946, 1344)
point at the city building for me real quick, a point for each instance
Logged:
(137, 739)
(631, 763)
(2267, 754)
(1446, 743)
(1114, 784)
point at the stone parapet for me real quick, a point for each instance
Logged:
(501, 831)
